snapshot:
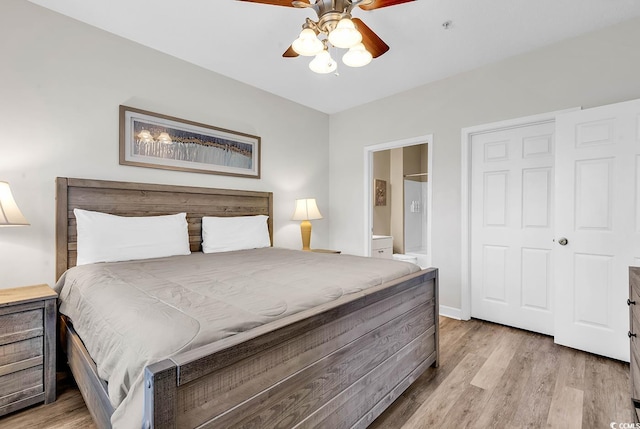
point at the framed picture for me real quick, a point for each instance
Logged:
(380, 192)
(152, 140)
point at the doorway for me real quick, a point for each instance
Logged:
(410, 194)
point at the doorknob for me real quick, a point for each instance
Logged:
(563, 241)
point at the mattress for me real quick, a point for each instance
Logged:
(132, 314)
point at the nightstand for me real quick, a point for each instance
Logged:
(325, 251)
(27, 347)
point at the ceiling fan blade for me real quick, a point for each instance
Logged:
(377, 4)
(290, 53)
(374, 44)
(287, 3)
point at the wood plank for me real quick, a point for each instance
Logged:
(495, 366)
(20, 365)
(395, 393)
(18, 381)
(511, 386)
(160, 399)
(26, 294)
(21, 350)
(257, 372)
(565, 411)
(62, 208)
(50, 315)
(14, 337)
(360, 403)
(93, 390)
(10, 324)
(598, 393)
(430, 413)
(324, 379)
(535, 404)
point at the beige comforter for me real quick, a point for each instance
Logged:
(131, 314)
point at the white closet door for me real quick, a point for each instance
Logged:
(512, 227)
(598, 212)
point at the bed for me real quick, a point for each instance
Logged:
(289, 372)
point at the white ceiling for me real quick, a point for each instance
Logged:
(245, 41)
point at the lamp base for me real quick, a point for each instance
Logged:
(305, 230)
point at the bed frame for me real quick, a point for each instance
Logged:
(337, 365)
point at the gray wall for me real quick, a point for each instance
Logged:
(61, 83)
(595, 69)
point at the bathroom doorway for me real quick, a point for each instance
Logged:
(398, 206)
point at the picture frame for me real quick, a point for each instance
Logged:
(153, 140)
(380, 192)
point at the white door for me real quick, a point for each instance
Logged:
(511, 226)
(598, 212)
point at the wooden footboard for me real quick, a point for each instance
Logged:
(335, 366)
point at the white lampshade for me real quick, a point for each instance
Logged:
(164, 138)
(345, 34)
(10, 214)
(357, 56)
(307, 44)
(323, 63)
(306, 209)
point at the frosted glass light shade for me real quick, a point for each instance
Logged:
(145, 136)
(10, 214)
(307, 44)
(323, 63)
(164, 138)
(306, 209)
(357, 56)
(345, 34)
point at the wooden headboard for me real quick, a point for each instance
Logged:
(143, 199)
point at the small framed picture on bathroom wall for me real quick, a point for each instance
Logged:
(380, 188)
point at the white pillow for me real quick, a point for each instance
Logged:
(108, 238)
(224, 234)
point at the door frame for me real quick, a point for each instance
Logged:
(368, 185)
(467, 136)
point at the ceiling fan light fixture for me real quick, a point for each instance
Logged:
(323, 63)
(357, 56)
(345, 34)
(307, 44)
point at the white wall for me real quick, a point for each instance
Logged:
(591, 70)
(61, 83)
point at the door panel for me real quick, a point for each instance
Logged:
(597, 210)
(512, 226)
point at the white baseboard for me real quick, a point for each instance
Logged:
(453, 313)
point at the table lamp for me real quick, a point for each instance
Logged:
(10, 214)
(306, 210)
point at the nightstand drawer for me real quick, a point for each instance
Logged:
(386, 253)
(19, 384)
(20, 351)
(20, 326)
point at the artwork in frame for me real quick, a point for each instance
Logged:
(153, 140)
(381, 192)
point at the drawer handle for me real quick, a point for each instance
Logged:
(380, 251)
(630, 334)
(629, 302)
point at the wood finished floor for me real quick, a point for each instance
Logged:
(490, 376)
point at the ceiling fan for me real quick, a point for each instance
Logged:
(335, 28)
